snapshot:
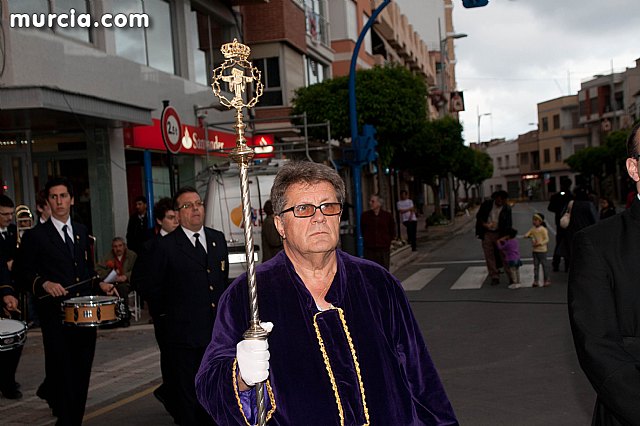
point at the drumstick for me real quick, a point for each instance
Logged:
(72, 286)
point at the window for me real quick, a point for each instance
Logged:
(545, 124)
(151, 46)
(547, 156)
(499, 163)
(316, 71)
(558, 153)
(352, 21)
(270, 73)
(32, 7)
(556, 121)
(208, 33)
(524, 158)
(316, 21)
(367, 38)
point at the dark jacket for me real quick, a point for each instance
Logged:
(185, 288)
(504, 219)
(137, 232)
(558, 205)
(43, 256)
(377, 230)
(604, 310)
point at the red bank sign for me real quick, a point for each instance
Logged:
(193, 140)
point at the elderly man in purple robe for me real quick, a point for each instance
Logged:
(344, 347)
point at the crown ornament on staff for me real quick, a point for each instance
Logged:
(237, 72)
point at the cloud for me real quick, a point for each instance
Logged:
(520, 53)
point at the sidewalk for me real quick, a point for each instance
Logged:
(431, 238)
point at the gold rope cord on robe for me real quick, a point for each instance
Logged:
(235, 390)
(330, 371)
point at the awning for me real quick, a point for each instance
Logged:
(24, 98)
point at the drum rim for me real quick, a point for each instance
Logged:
(75, 303)
(23, 329)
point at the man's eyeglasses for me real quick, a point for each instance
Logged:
(308, 210)
(190, 205)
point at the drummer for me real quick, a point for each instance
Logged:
(55, 261)
(8, 240)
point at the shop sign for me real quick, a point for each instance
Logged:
(193, 140)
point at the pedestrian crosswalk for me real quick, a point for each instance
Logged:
(472, 278)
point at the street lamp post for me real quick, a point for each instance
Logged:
(444, 76)
(479, 117)
(444, 62)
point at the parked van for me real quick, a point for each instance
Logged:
(224, 209)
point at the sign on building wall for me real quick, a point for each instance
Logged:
(457, 102)
(193, 140)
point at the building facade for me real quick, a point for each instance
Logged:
(506, 170)
(72, 100)
(559, 137)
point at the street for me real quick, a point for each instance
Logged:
(505, 356)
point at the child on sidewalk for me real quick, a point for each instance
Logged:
(510, 249)
(539, 238)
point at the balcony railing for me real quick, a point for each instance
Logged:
(317, 27)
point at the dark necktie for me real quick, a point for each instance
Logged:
(68, 240)
(199, 248)
(4, 234)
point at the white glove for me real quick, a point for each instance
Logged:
(253, 358)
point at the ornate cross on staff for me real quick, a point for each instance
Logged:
(237, 72)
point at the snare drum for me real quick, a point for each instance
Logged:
(91, 311)
(12, 334)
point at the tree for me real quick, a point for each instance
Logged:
(390, 98)
(473, 168)
(432, 152)
(601, 163)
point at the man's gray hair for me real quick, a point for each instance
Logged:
(304, 172)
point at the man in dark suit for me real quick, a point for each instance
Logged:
(190, 272)
(137, 228)
(54, 259)
(8, 240)
(493, 221)
(166, 222)
(604, 306)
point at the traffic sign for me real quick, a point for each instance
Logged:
(171, 129)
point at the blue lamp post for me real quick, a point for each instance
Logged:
(361, 143)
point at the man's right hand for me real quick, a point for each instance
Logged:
(54, 289)
(253, 359)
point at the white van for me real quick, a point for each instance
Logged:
(224, 209)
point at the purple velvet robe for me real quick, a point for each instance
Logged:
(401, 384)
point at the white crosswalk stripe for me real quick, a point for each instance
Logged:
(420, 279)
(472, 278)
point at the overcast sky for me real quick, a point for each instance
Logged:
(522, 52)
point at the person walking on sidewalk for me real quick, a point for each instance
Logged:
(493, 221)
(408, 216)
(378, 230)
(539, 239)
(510, 249)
